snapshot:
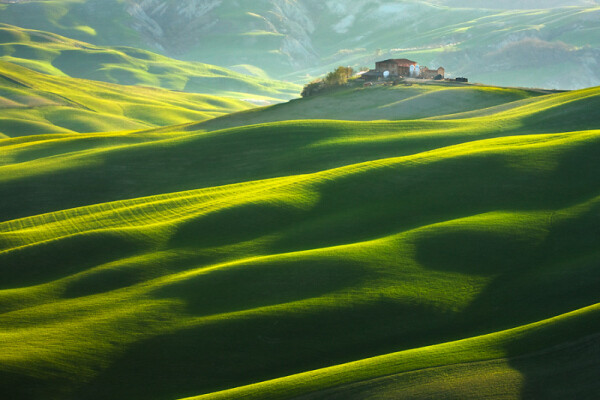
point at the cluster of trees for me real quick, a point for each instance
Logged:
(338, 77)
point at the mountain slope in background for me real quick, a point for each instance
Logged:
(532, 45)
(515, 4)
(53, 54)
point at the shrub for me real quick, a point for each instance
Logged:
(313, 88)
(336, 78)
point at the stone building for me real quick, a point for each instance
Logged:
(396, 66)
(401, 68)
(427, 73)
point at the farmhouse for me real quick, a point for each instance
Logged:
(402, 68)
(396, 67)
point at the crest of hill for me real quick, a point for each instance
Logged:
(32, 103)
(222, 157)
(56, 55)
(418, 101)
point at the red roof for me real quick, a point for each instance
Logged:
(401, 62)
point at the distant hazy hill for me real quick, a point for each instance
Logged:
(515, 4)
(536, 44)
(57, 55)
(32, 103)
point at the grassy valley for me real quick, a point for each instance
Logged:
(452, 252)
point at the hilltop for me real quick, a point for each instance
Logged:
(308, 259)
(416, 100)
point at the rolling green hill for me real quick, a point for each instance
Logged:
(33, 103)
(453, 256)
(417, 101)
(474, 368)
(57, 55)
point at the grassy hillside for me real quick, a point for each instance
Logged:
(418, 101)
(251, 152)
(57, 55)
(32, 103)
(308, 259)
(472, 368)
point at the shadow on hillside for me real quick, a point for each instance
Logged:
(234, 224)
(530, 279)
(568, 371)
(129, 272)
(232, 351)
(576, 115)
(564, 372)
(76, 63)
(51, 260)
(262, 284)
(382, 201)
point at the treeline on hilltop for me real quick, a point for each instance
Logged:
(338, 77)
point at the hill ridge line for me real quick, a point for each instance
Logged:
(316, 374)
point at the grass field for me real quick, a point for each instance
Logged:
(417, 101)
(34, 103)
(450, 253)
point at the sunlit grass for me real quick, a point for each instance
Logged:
(38, 104)
(290, 258)
(472, 350)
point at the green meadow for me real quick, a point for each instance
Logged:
(32, 103)
(425, 241)
(404, 102)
